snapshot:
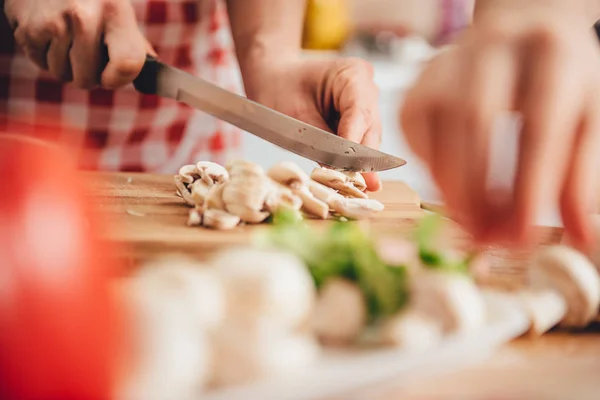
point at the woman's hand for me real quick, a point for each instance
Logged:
(338, 95)
(65, 37)
(542, 60)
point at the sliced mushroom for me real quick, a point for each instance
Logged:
(183, 191)
(195, 218)
(247, 214)
(312, 205)
(188, 173)
(337, 180)
(212, 173)
(289, 174)
(450, 298)
(244, 167)
(214, 198)
(357, 179)
(340, 313)
(199, 191)
(411, 330)
(218, 219)
(323, 193)
(282, 196)
(544, 307)
(574, 277)
(355, 208)
(246, 197)
(266, 285)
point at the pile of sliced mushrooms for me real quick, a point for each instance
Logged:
(251, 313)
(242, 192)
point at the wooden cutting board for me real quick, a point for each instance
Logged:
(147, 217)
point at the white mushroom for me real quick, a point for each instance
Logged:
(340, 313)
(355, 208)
(245, 196)
(188, 174)
(184, 285)
(574, 277)
(545, 308)
(594, 252)
(214, 197)
(246, 353)
(244, 167)
(183, 191)
(451, 298)
(312, 205)
(337, 180)
(172, 306)
(219, 219)
(281, 196)
(263, 284)
(323, 193)
(199, 192)
(212, 173)
(411, 330)
(288, 174)
(194, 218)
(357, 179)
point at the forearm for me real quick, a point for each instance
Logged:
(590, 9)
(262, 28)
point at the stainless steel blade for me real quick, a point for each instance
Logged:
(281, 130)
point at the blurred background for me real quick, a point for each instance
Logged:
(396, 36)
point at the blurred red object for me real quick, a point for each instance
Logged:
(57, 326)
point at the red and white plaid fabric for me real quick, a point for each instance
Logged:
(125, 130)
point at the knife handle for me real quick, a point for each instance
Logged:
(145, 82)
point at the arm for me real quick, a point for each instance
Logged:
(588, 8)
(262, 28)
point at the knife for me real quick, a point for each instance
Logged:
(286, 132)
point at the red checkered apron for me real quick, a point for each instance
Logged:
(125, 130)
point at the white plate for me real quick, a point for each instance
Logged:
(341, 372)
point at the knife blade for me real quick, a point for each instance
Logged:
(279, 129)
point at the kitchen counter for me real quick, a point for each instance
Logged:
(147, 216)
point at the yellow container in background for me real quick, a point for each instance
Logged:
(327, 24)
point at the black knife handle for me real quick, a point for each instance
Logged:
(146, 81)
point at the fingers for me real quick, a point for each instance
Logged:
(127, 47)
(580, 190)
(57, 58)
(35, 35)
(85, 51)
(490, 93)
(356, 97)
(551, 102)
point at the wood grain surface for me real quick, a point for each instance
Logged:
(147, 219)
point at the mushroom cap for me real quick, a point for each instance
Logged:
(266, 284)
(188, 173)
(211, 172)
(573, 276)
(214, 197)
(411, 330)
(219, 219)
(451, 298)
(340, 313)
(288, 173)
(242, 167)
(179, 284)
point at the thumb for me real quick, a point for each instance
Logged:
(126, 45)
